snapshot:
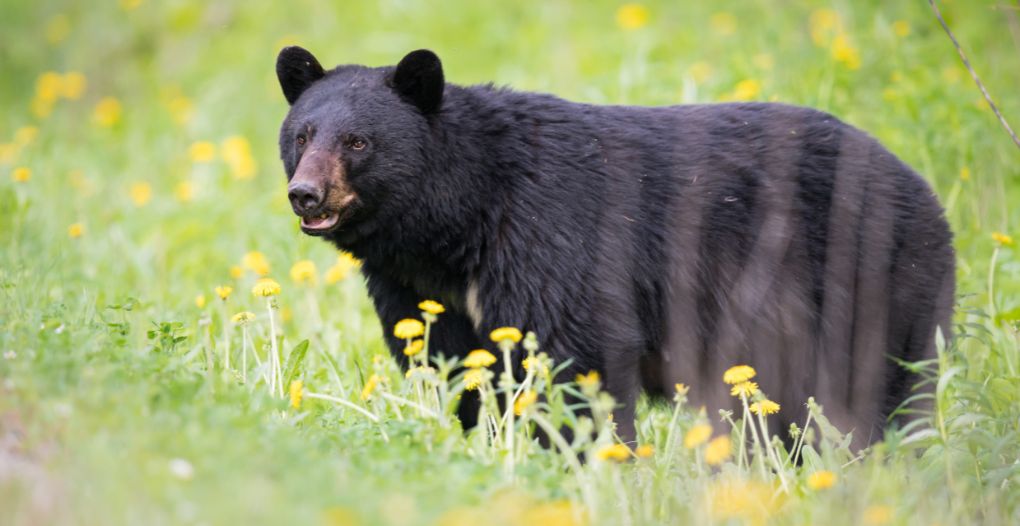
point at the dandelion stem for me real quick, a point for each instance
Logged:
(671, 436)
(344, 403)
(569, 456)
(403, 401)
(743, 444)
(425, 346)
(276, 369)
(754, 436)
(226, 334)
(991, 284)
(507, 379)
(771, 453)
(244, 354)
(621, 493)
(799, 443)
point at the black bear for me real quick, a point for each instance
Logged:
(654, 245)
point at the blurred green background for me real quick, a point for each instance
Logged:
(138, 166)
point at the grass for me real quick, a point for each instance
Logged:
(115, 406)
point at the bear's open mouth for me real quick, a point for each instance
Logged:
(320, 223)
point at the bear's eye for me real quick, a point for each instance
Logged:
(301, 140)
(357, 144)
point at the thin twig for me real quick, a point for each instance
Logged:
(974, 74)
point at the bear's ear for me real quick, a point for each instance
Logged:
(419, 80)
(297, 69)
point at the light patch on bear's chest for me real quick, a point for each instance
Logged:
(474, 308)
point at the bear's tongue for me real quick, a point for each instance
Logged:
(320, 222)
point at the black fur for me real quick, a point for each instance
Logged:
(655, 245)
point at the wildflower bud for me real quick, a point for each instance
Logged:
(530, 342)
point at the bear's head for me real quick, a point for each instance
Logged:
(355, 139)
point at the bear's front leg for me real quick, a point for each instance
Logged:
(566, 332)
(452, 335)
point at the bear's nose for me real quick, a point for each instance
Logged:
(304, 198)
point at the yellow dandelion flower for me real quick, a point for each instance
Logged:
(256, 262)
(25, 135)
(744, 389)
(557, 513)
(335, 274)
(697, 435)
(590, 380)
(723, 23)
(304, 272)
(531, 362)
(8, 152)
(75, 230)
(523, 402)
(57, 29)
(266, 287)
(763, 61)
(820, 480)
(479, 358)
(473, 379)
(877, 515)
(297, 392)
(746, 89)
(700, 72)
(951, 74)
(236, 152)
(750, 501)
(965, 174)
(202, 151)
(48, 86)
(348, 259)
(79, 181)
(414, 347)
(506, 333)
(223, 291)
(140, 193)
(107, 112)
(184, 191)
(767, 407)
(632, 16)
(1002, 239)
(617, 452)
(180, 107)
(200, 301)
(718, 450)
(236, 271)
(408, 328)
(242, 318)
(844, 52)
(901, 28)
(738, 374)
(370, 386)
(432, 307)
(823, 23)
(681, 388)
(339, 271)
(41, 108)
(645, 451)
(21, 174)
(72, 85)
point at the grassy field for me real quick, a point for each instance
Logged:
(138, 171)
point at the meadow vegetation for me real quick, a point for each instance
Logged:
(174, 350)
